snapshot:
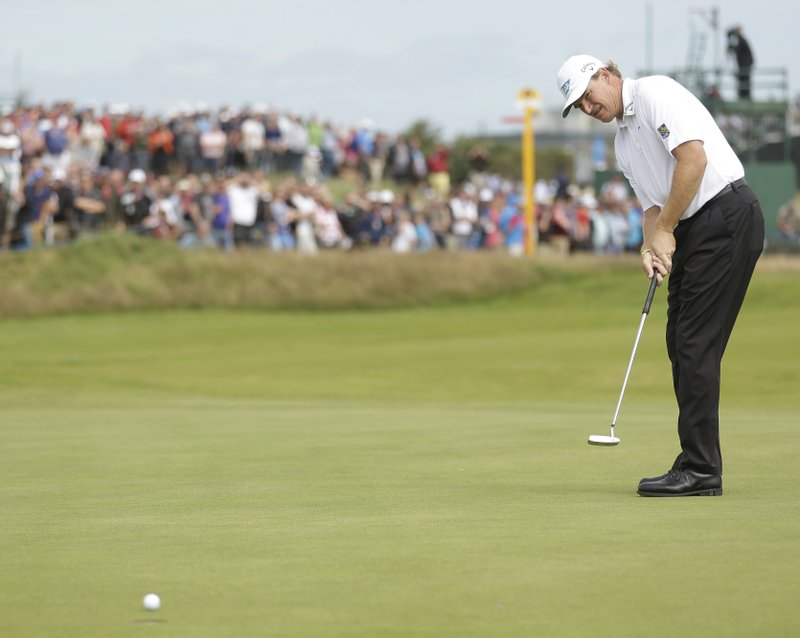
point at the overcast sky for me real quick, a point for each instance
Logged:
(457, 63)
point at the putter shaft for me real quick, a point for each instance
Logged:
(645, 311)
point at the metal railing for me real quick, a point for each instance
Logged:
(768, 85)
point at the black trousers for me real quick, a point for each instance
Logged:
(715, 255)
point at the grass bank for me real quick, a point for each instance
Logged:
(129, 273)
(115, 273)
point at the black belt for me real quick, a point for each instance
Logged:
(733, 186)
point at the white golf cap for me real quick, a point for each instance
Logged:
(574, 76)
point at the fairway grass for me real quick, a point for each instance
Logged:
(403, 473)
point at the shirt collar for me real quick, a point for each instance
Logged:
(628, 105)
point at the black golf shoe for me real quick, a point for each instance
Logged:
(682, 482)
(653, 479)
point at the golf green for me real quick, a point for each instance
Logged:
(419, 472)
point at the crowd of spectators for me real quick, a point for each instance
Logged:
(260, 178)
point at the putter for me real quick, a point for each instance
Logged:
(599, 439)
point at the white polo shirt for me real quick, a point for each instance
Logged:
(659, 115)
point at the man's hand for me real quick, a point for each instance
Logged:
(662, 247)
(654, 265)
(649, 266)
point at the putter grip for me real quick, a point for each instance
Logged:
(650, 294)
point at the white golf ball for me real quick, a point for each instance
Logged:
(152, 602)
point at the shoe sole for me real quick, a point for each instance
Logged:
(712, 492)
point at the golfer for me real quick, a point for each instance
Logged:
(702, 226)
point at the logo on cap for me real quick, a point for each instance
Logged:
(565, 88)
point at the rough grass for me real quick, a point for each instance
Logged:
(112, 273)
(128, 273)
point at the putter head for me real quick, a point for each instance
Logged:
(599, 439)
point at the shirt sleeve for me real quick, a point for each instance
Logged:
(671, 112)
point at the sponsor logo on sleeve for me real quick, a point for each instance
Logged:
(663, 131)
